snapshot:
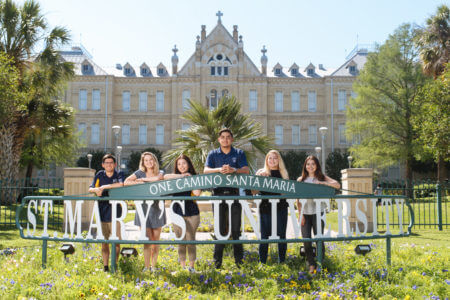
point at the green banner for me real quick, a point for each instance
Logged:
(215, 180)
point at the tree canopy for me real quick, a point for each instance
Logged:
(382, 110)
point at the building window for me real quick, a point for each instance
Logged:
(144, 71)
(85, 68)
(82, 130)
(143, 101)
(253, 100)
(224, 93)
(352, 69)
(82, 100)
(279, 101)
(185, 126)
(185, 96)
(354, 95)
(310, 72)
(213, 99)
(125, 134)
(294, 72)
(342, 138)
(219, 71)
(356, 139)
(225, 71)
(342, 99)
(142, 134)
(312, 101)
(160, 101)
(295, 101)
(127, 71)
(159, 134)
(277, 71)
(213, 71)
(295, 134)
(95, 99)
(95, 134)
(312, 134)
(279, 134)
(160, 71)
(126, 101)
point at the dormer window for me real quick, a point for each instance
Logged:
(160, 71)
(310, 72)
(85, 68)
(219, 65)
(294, 72)
(127, 71)
(352, 69)
(144, 71)
(277, 71)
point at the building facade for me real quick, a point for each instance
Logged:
(290, 102)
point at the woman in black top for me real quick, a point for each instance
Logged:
(273, 167)
(183, 167)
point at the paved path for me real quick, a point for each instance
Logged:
(133, 231)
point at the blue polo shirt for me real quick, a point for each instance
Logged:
(102, 179)
(235, 158)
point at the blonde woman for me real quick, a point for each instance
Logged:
(273, 167)
(149, 172)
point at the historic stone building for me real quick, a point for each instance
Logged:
(291, 102)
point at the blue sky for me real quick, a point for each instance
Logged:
(320, 31)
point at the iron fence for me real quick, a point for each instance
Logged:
(12, 191)
(429, 199)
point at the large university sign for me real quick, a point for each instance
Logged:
(365, 210)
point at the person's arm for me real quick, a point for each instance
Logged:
(208, 170)
(160, 176)
(93, 188)
(299, 208)
(175, 176)
(330, 182)
(132, 179)
(196, 193)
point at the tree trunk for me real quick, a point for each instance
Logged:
(409, 177)
(442, 170)
(9, 164)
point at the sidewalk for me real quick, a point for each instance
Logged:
(133, 231)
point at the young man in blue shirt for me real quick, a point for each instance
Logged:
(104, 180)
(227, 160)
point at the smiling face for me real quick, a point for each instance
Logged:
(182, 166)
(225, 140)
(149, 162)
(273, 161)
(109, 165)
(311, 167)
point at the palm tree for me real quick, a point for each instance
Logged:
(42, 73)
(201, 137)
(434, 42)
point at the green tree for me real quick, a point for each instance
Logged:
(293, 160)
(201, 137)
(335, 162)
(96, 162)
(381, 113)
(434, 42)
(42, 77)
(135, 158)
(433, 122)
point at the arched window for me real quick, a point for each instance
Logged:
(224, 93)
(213, 99)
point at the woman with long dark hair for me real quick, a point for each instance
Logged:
(312, 173)
(183, 167)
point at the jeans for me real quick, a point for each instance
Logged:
(238, 249)
(311, 223)
(266, 231)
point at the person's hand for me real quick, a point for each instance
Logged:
(262, 173)
(303, 221)
(140, 180)
(226, 169)
(187, 174)
(98, 191)
(161, 176)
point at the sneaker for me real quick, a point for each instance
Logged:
(105, 268)
(218, 264)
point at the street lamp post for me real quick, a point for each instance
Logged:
(116, 130)
(350, 159)
(89, 157)
(318, 149)
(323, 132)
(118, 152)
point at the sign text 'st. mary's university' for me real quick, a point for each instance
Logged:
(292, 190)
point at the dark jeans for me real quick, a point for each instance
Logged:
(310, 223)
(236, 211)
(266, 230)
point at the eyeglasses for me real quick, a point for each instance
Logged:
(109, 163)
